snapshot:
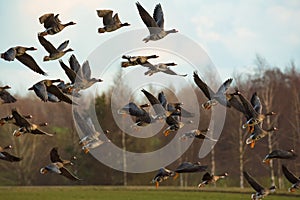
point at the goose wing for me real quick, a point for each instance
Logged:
(224, 87)
(66, 173)
(257, 187)
(63, 45)
(69, 72)
(10, 54)
(47, 45)
(40, 132)
(40, 90)
(206, 177)
(59, 94)
(158, 16)
(8, 157)
(162, 99)
(249, 110)
(48, 20)
(158, 108)
(256, 103)
(205, 89)
(27, 60)
(20, 120)
(86, 70)
(107, 16)
(147, 19)
(289, 175)
(7, 97)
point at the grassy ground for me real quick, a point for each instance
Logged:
(127, 193)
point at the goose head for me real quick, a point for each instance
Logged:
(125, 24)
(70, 23)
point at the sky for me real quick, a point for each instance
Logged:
(230, 32)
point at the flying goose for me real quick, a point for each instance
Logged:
(253, 111)
(79, 75)
(25, 126)
(162, 174)
(45, 89)
(7, 156)
(6, 97)
(196, 133)
(54, 53)
(142, 117)
(210, 178)
(91, 137)
(280, 154)
(111, 23)
(52, 24)
(57, 166)
(261, 192)
(154, 24)
(136, 60)
(291, 178)
(20, 54)
(258, 133)
(161, 67)
(213, 97)
(175, 108)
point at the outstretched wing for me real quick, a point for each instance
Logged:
(257, 187)
(47, 45)
(54, 157)
(20, 120)
(158, 16)
(53, 89)
(63, 45)
(66, 173)
(224, 87)
(289, 175)
(162, 99)
(147, 19)
(205, 89)
(27, 60)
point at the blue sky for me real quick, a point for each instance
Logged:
(231, 32)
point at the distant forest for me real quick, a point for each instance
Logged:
(278, 89)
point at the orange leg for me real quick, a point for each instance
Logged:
(252, 144)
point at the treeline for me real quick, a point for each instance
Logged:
(278, 90)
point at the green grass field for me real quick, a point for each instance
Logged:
(126, 193)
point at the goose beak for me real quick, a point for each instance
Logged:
(267, 161)
(167, 132)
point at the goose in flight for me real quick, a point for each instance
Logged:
(54, 53)
(110, 22)
(20, 54)
(52, 24)
(6, 97)
(154, 24)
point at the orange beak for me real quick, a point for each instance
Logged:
(167, 132)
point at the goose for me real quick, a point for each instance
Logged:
(91, 137)
(196, 133)
(25, 126)
(5, 96)
(154, 24)
(157, 106)
(175, 108)
(208, 178)
(19, 52)
(45, 87)
(291, 178)
(173, 125)
(160, 67)
(188, 167)
(261, 192)
(57, 166)
(259, 133)
(253, 111)
(162, 174)
(111, 23)
(52, 24)
(54, 53)
(213, 97)
(280, 154)
(7, 156)
(143, 117)
(136, 60)
(80, 76)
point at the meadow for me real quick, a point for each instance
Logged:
(128, 193)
